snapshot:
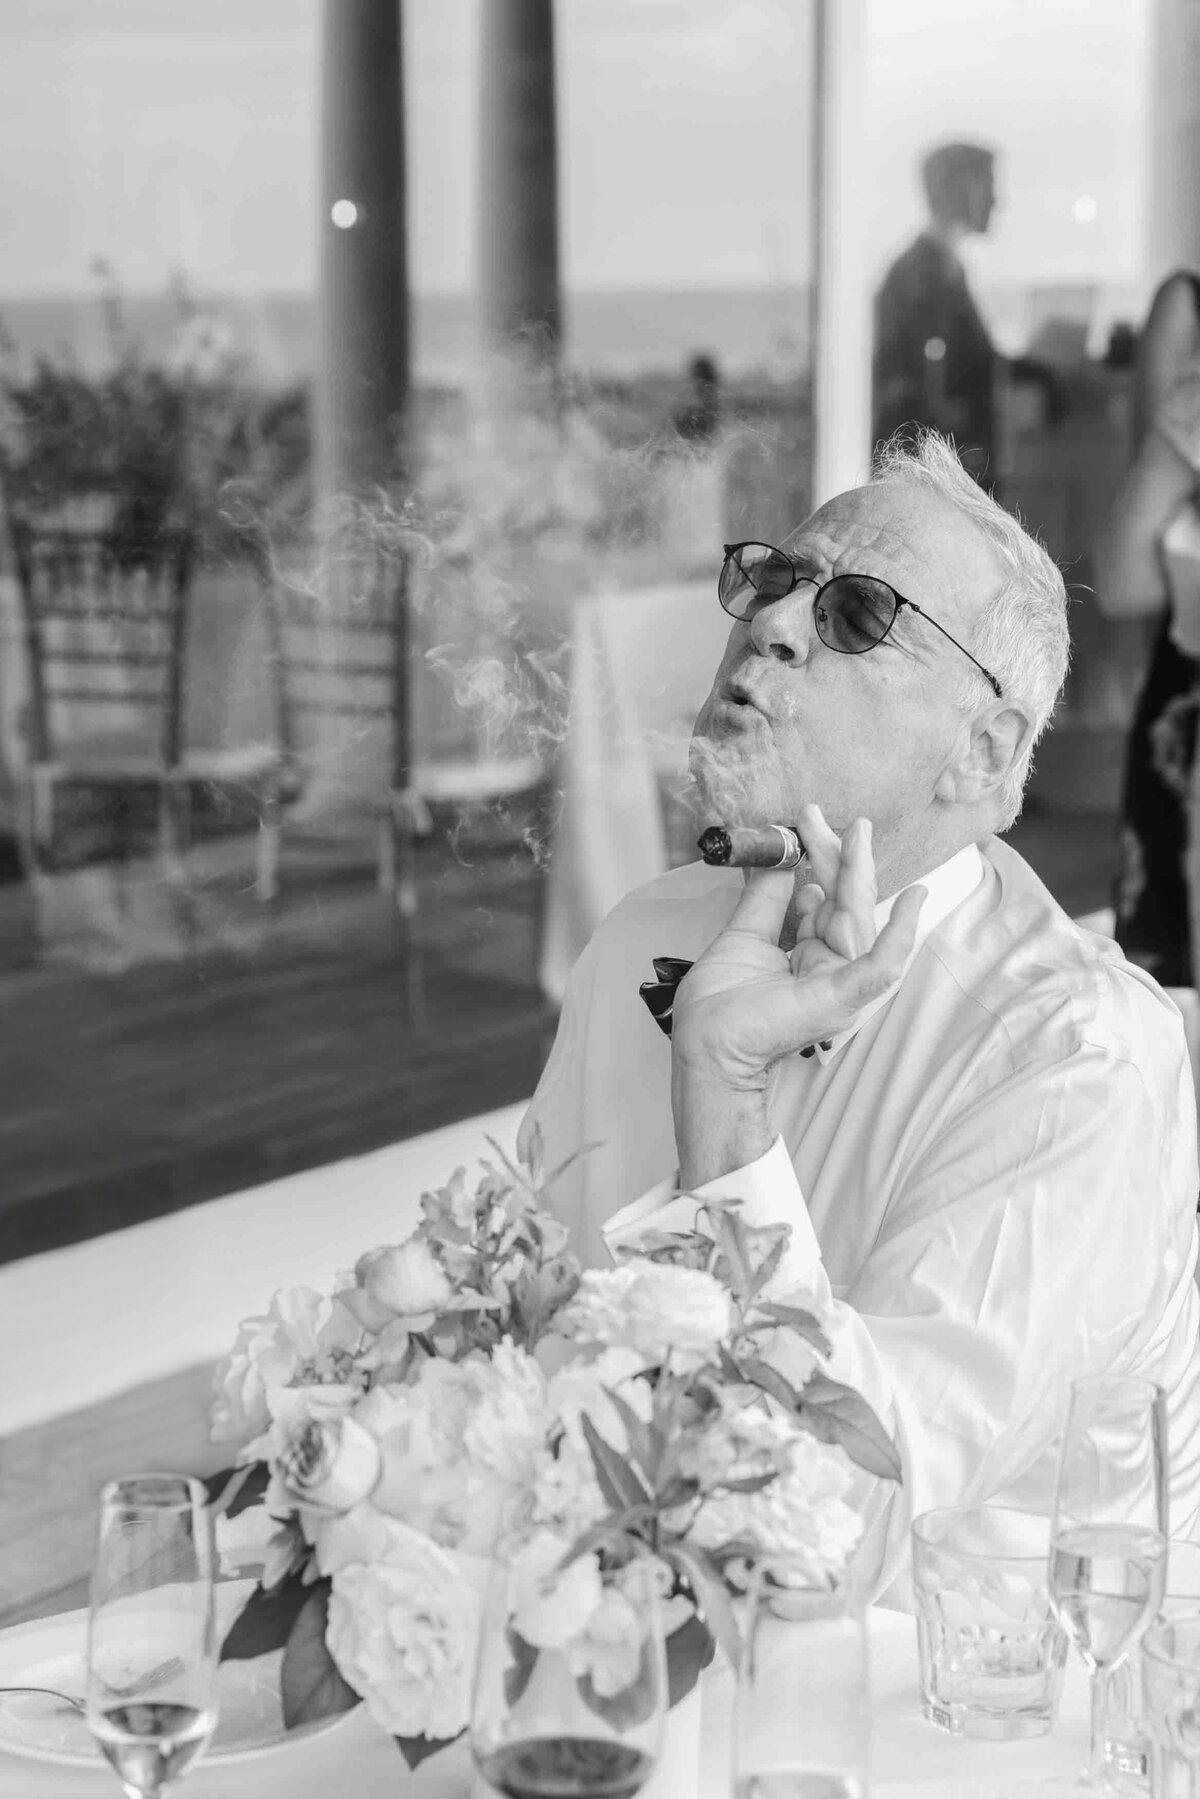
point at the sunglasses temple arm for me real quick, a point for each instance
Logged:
(987, 674)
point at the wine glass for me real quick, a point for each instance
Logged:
(1108, 1536)
(802, 1714)
(570, 1686)
(152, 1642)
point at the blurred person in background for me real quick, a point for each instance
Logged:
(934, 363)
(1148, 566)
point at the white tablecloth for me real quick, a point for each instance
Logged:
(359, 1761)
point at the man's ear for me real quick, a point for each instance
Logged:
(991, 745)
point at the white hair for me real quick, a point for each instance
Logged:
(1022, 636)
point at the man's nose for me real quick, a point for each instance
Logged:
(784, 628)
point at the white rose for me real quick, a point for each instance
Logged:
(549, 1605)
(334, 1464)
(403, 1281)
(305, 1339)
(403, 1630)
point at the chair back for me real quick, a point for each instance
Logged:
(105, 635)
(338, 633)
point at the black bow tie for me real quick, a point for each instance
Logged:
(660, 996)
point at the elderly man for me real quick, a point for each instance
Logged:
(978, 1119)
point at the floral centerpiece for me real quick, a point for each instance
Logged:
(671, 1412)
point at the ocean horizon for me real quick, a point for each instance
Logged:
(614, 332)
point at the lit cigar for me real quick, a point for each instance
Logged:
(746, 846)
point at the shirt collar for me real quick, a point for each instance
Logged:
(946, 886)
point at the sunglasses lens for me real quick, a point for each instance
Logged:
(754, 573)
(854, 613)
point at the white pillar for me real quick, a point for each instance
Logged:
(1173, 139)
(842, 296)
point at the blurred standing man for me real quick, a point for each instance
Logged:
(934, 363)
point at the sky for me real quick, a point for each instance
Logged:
(167, 134)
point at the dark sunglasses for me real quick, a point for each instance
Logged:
(853, 613)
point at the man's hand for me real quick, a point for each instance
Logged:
(746, 1003)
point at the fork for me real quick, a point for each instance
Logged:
(157, 1677)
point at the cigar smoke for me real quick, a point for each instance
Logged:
(511, 516)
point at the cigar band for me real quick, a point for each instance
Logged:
(793, 849)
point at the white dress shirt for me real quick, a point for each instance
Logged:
(991, 1179)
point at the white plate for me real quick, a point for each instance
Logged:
(50, 1652)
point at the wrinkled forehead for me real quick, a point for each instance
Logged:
(922, 544)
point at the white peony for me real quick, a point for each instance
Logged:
(506, 1426)
(655, 1309)
(550, 1605)
(802, 1515)
(306, 1339)
(608, 1650)
(458, 1448)
(403, 1630)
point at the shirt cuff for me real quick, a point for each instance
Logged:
(770, 1194)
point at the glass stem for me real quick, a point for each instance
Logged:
(1098, 1758)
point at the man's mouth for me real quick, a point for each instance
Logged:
(737, 692)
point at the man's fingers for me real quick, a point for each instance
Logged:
(856, 889)
(822, 845)
(809, 901)
(763, 905)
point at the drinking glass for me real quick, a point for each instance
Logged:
(152, 1643)
(1171, 1702)
(802, 1715)
(570, 1688)
(1108, 1535)
(1126, 1742)
(991, 1649)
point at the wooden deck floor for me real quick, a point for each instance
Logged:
(128, 1096)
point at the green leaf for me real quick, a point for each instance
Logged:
(643, 1443)
(769, 1379)
(619, 1483)
(690, 1649)
(837, 1414)
(795, 1319)
(266, 1620)
(416, 1750)
(712, 1599)
(750, 1483)
(519, 1673)
(730, 1368)
(235, 1490)
(576, 1155)
(310, 1682)
(730, 1241)
(768, 1267)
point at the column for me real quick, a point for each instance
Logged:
(519, 296)
(1173, 139)
(841, 321)
(362, 378)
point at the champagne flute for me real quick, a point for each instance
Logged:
(570, 1685)
(802, 1714)
(152, 1642)
(1108, 1536)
